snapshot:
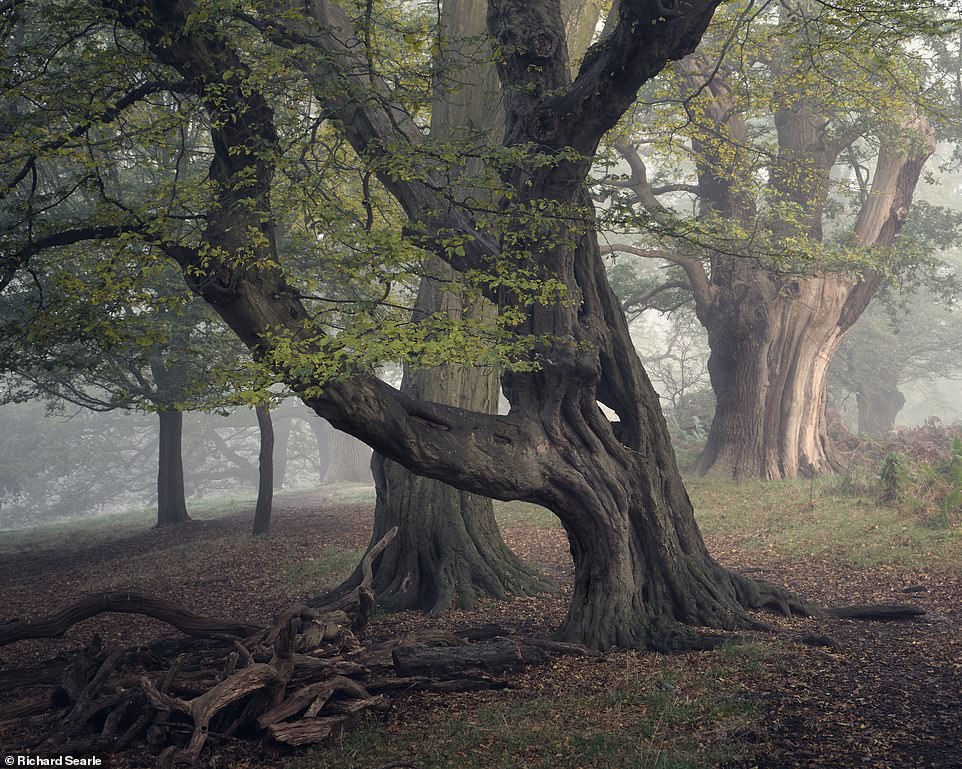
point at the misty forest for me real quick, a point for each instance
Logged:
(521, 383)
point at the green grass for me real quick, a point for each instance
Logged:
(103, 528)
(802, 518)
(524, 514)
(640, 719)
(349, 493)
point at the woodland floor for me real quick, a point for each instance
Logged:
(890, 696)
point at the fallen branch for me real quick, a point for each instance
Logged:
(880, 612)
(57, 624)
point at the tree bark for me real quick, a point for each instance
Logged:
(772, 335)
(350, 460)
(282, 438)
(171, 501)
(324, 438)
(265, 471)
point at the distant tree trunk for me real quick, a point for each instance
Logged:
(878, 403)
(324, 438)
(171, 503)
(265, 472)
(772, 336)
(282, 438)
(350, 460)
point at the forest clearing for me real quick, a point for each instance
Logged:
(887, 696)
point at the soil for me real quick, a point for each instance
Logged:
(887, 697)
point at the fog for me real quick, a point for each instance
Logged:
(77, 463)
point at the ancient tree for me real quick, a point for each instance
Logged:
(803, 173)
(642, 571)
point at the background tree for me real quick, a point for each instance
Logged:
(781, 250)
(890, 348)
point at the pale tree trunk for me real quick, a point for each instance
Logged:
(171, 502)
(282, 437)
(265, 471)
(773, 336)
(350, 460)
(324, 439)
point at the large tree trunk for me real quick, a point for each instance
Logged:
(768, 365)
(350, 460)
(171, 502)
(265, 471)
(324, 439)
(448, 550)
(771, 336)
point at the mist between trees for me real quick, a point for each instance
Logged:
(77, 463)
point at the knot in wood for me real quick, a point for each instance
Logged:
(542, 43)
(668, 8)
(543, 125)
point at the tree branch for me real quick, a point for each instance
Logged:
(701, 287)
(648, 35)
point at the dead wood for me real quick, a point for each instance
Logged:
(300, 681)
(880, 612)
(359, 601)
(449, 661)
(308, 731)
(57, 624)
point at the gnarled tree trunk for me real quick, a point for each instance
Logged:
(773, 336)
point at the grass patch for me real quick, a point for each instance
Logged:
(510, 514)
(635, 718)
(103, 528)
(802, 518)
(349, 493)
(328, 569)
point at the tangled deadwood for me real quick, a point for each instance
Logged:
(302, 680)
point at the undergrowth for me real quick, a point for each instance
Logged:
(918, 471)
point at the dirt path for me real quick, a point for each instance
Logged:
(889, 697)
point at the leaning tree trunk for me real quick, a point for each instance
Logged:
(265, 471)
(171, 502)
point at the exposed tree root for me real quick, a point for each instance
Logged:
(302, 680)
(878, 612)
(57, 624)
